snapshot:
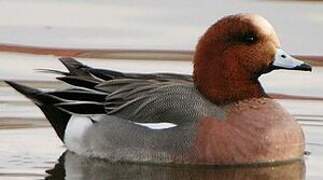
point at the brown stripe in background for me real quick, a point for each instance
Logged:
(123, 53)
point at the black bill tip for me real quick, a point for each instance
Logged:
(304, 67)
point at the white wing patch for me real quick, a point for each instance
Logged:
(75, 131)
(158, 125)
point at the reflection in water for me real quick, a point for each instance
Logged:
(74, 167)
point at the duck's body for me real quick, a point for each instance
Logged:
(250, 135)
(222, 115)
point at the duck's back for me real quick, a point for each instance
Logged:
(153, 102)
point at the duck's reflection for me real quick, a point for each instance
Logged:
(75, 167)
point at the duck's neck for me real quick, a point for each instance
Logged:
(221, 88)
(224, 93)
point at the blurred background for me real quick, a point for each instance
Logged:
(149, 24)
(33, 33)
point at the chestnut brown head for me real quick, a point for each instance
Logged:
(235, 51)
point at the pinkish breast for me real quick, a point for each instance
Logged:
(253, 131)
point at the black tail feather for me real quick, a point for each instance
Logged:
(57, 118)
(58, 106)
(79, 95)
(79, 74)
(106, 74)
(82, 107)
(37, 96)
(74, 67)
(53, 71)
(79, 81)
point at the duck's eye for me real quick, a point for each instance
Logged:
(249, 38)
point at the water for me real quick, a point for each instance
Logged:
(29, 147)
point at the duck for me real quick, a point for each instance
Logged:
(221, 114)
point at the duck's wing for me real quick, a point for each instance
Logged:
(143, 98)
(148, 102)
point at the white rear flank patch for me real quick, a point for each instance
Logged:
(75, 131)
(157, 125)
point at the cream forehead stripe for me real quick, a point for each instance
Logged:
(262, 23)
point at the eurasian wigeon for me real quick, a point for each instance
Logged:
(222, 114)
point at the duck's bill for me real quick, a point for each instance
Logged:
(283, 60)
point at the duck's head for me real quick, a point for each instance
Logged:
(233, 53)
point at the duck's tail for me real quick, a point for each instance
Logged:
(46, 102)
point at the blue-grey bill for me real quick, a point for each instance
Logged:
(283, 60)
